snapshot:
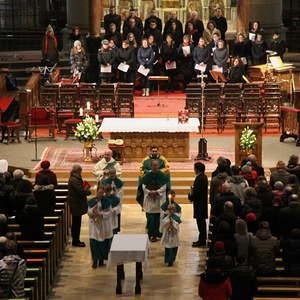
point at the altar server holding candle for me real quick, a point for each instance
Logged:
(169, 201)
(170, 228)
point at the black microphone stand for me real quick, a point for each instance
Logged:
(202, 144)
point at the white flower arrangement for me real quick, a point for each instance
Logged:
(87, 130)
(248, 139)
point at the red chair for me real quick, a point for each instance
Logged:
(40, 118)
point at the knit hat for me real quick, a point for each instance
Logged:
(219, 246)
(45, 164)
(251, 217)
(77, 43)
(3, 165)
(105, 42)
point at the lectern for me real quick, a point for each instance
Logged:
(240, 154)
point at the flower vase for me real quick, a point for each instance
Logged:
(87, 151)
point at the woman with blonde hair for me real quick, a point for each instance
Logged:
(78, 60)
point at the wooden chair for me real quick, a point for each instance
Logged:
(106, 100)
(68, 103)
(231, 104)
(40, 118)
(271, 109)
(49, 95)
(212, 108)
(124, 100)
(193, 99)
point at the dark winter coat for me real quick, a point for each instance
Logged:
(138, 24)
(279, 175)
(45, 198)
(278, 46)
(265, 248)
(136, 32)
(78, 61)
(244, 283)
(218, 206)
(105, 58)
(216, 186)
(77, 196)
(112, 18)
(158, 38)
(168, 26)
(259, 54)
(289, 217)
(291, 256)
(176, 35)
(50, 174)
(242, 49)
(238, 186)
(236, 74)
(186, 62)
(199, 196)
(128, 56)
(116, 36)
(220, 57)
(201, 55)
(198, 25)
(221, 24)
(145, 57)
(168, 53)
(157, 20)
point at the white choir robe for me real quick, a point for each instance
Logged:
(102, 228)
(103, 165)
(152, 205)
(170, 238)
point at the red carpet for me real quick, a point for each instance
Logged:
(165, 105)
(63, 158)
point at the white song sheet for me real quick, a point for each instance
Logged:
(105, 69)
(144, 71)
(123, 67)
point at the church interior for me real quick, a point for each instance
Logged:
(149, 148)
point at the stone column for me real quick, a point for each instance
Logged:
(78, 13)
(95, 16)
(242, 16)
(268, 12)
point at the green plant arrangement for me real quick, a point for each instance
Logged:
(247, 139)
(87, 130)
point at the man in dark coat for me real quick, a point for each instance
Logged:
(226, 195)
(112, 17)
(154, 18)
(168, 25)
(221, 22)
(138, 21)
(289, 217)
(77, 198)
(198, 25)
(278, 45)
(199, 196)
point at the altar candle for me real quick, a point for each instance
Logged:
(88, 105)
(80, 111)
(97, 118)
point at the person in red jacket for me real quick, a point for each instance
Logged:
(214, 284)
(45, 165)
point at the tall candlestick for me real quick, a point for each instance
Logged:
(97, 118)
(170, 198)
(88, 105)
(80, 111)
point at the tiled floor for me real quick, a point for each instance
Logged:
(77, 280)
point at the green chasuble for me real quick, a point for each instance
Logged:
(117, 182)
(113, 200)
(147, 164)
(155, 180)
(110, 165)
(105, 202)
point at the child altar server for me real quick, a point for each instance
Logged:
(101, 224)
(169, 227)
(171, 200)
(117, 190)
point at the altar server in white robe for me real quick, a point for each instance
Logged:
(101, 225)
(170, 239)
(171, 200)
(101, 169)
(155, 185)
(117, 189)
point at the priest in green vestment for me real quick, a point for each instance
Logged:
(155, 186)
(145, 168)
